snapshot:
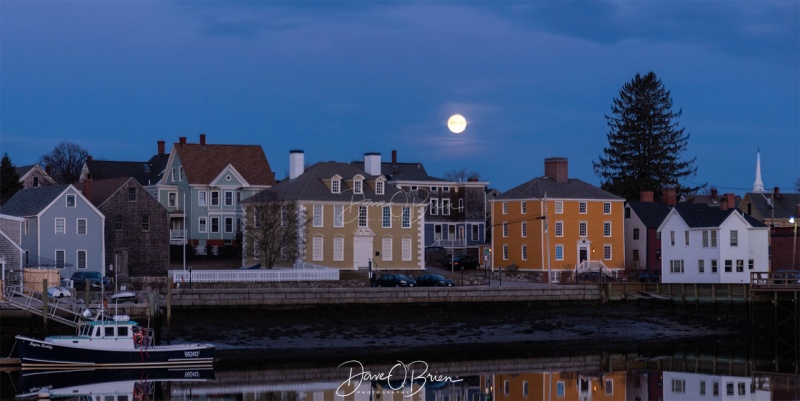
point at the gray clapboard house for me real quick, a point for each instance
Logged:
(61, 229)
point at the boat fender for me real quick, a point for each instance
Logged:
(138, 337)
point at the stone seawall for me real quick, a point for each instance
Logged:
(309, 297)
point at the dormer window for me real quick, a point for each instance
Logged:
(336, 186)
(379, 187)
(358, 187)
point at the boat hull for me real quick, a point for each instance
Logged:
(43, 354)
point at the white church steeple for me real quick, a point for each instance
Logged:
(758, 186)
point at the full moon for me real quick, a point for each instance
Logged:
(456, 123)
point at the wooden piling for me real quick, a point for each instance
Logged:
(44, 306)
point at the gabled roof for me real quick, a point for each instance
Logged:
(652, 214)
(101, 190)
(402, 171)
(702, 215)
(203, 163)
(310, 186)
(22, 170)
(143, 172)
(30, 202)
(572, 189)
(784, 205)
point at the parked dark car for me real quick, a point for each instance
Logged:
(595, 277)
(395, 280)
(434, 280)
(787, 277)
(95, 280)
(648, 277)
(459, 262)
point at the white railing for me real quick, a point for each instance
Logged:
(450, 243)
(259, 275)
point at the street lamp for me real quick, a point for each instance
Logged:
(794, 240)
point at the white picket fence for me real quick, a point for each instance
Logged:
(315, 273)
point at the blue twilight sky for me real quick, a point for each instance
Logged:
(534, 79)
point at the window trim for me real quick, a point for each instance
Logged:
(62, 226)
(583, 207)
(78, 258)
(202, 224)
(318, 214)
(78, 226)
(338, 249)
(212, 220)
(71, 201)
(386, 217)
(406, 219)
(215, 200)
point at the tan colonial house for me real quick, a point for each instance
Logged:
(350, 218)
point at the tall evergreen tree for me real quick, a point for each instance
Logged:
(9, 179)
(644, 142)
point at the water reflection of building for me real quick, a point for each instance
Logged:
(567, 386)
(679, 386)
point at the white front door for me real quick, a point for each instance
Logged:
(362, 251)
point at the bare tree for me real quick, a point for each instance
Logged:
(274, 230)
(65, 162)
(460, 175)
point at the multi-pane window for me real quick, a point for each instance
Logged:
(582, 207)
(406, 251)
(505, 252)
(606, 207)
(713, 239)
(739, 265)
(172, 174)
(505, 207)
(713, 265)
(582, 228)
(118, 222)
(201, 225)
(635, 255)
(338, 249)
(338, 216)
(559, 252)
(434, 208)
(362, 216)
(728, 266)
(70, 200)
(81, 258)
(678, 386)
(635, 233)
(461, 205)
(606, 228)
(686, 237)
(406, 217)
(387, 217)
(559, 207)
(81, 226)
(523, 207)
(607, 252)
(358, 187)
(180, 173)
(751, 264)
(445, 206)
(215, 224)
(672, 238)
(701, 266)
(201, 198)
(132, 194)
(336, 186)
(559, 229)
(145, 223)
(229, 224)
(705, 238)
(734, 238)
(60, 254)
(525, 389)
(379, 187)
(524, 228)
(387, 249)
(36, 182)
(214, 198)
(475, 232)
(228, 198)
(505, 230)
(524, 252)
(316, 249)
(317, 219)
(172, 199)
(676, 266)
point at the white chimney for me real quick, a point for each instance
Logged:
(372, 163)
(296, 163)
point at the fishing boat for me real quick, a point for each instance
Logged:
(106, 384)
(109, 341)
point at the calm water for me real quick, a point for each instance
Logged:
(714, 370)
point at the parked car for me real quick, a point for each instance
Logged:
(787, 277)
(434, 280)
(648, 277)
(96, 280)
(595, 277)
(395, 280)
(459, 262)
(59, 292)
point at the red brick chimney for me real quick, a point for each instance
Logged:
(730, 199)
(182, 140)
(669, 196)
(160, 148)
(394, 156)
(87, 188)
(557, 169)
(646, 196)
(203, 140)
(89, 158)
(714, 195)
